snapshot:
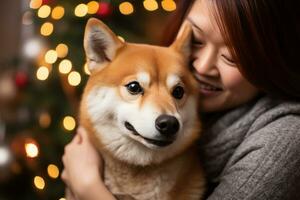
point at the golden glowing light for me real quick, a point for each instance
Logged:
(39, 182)
(69, 123)
(74, 78)
(81, 10)
(42, 73)
(168, 5)
(121, 38)
(5, 156)
(53, 171)
(51, 56)
(150, 5)
(44, 120)
(44, 11)
(35, 4)
(47, 29)
(58, 12)
(86, 69)
(93, 7)
(62, 199)
(31, 149)
(62, 50)
(126, 8)
(65, 66)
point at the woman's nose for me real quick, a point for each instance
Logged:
(205, 62)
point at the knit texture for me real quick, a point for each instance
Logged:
(253, 152)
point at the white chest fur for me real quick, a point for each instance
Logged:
(158, 182)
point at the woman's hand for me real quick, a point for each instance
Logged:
(83, 166)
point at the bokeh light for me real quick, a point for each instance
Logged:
(42, 73)
(39, 182)
(44, 11)
(65, 66)
(51, 56)
(74, 78)
(69, 123)
(150, 5)
(93, 7)
(31, 149)
(58, 12)
(5, 156)
(27, 18)
(121, 38)
(35, 4)
(62, 50)
(126, 8)
(53, 171)
(47, 29)
(32, 48)
(168, 5)
(44, 120)
(86, 69)
(81, 10)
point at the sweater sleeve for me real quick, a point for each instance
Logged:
(266, 165)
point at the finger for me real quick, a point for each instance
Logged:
(66, 149)
(63, 175)
(69, 194)
(83, 133)
(76, 139)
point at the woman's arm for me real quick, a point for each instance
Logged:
(266, 165)
(82, 172)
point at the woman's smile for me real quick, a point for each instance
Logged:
(208, 88)
(221, 84)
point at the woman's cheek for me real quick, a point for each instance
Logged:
(237, 87)
(232, 79)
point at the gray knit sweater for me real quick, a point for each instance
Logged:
(253, 152)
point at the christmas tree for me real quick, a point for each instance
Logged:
(41, 88)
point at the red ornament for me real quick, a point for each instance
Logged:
(47, 2)
(21, 79)
(105, 9)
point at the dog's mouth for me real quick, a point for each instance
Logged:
(161, 143)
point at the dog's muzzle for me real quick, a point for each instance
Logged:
(166, 125)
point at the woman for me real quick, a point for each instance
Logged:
(245, 60)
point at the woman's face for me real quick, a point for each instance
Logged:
(221, 84)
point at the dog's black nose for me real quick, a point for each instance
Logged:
(167, 125)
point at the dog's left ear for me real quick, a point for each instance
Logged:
(100, 45)
(183, 40)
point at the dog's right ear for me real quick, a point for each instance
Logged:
(100, 44)
(183, 41)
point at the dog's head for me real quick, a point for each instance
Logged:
(140, 102)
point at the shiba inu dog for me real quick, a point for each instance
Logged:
(140, 109)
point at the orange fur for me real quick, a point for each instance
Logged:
(178, 173)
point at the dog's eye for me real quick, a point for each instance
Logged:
(134, 88)
(178, 92)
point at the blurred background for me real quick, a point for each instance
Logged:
(42, 74)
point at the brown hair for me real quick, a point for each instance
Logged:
(263, 37)
(175, 20)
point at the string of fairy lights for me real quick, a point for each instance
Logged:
(59, 56)
(81, 10)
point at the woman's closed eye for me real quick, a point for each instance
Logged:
(196, 40)
(197, 43)
(229, 60)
